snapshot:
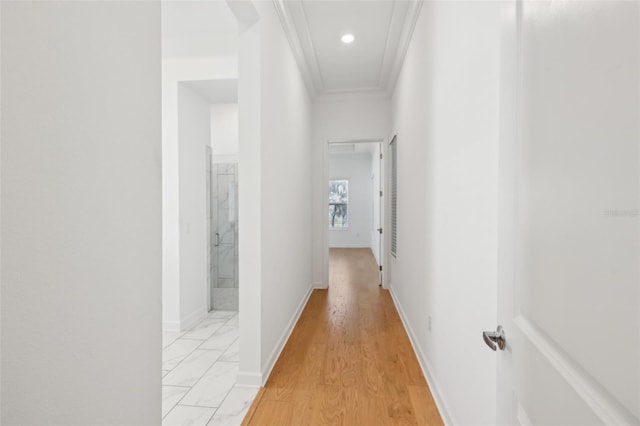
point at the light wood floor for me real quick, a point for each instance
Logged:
(348, 360)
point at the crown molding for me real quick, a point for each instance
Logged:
(296, 8)
(353, 90)
(291, 34)
(410, 21)
(351, 96)
(393, 35)
(303, 50)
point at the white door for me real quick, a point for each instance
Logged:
(569, 293)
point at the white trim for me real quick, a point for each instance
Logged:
(237, 385)
(209, 220)
(427, 371)
(307, 43)
(318, 286)
(603, 404)
(303, 50)
(388, 261)
(275, 354)
(325, 199)
(408, 27)
(1, 222)
(248, 380)
(291, 34)
(359, 246)
(389, 56)
(346, 96)
(171, 326)
(185, 324)
(361, 89)
(353, 141)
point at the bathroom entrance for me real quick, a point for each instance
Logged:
(223, 232)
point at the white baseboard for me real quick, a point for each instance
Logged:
(275, 354)
(248, 380)
(192, 319)
(171, 326)
(436, 390)
(350, 246)
(318, 285)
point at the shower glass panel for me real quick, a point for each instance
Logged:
(224, 237)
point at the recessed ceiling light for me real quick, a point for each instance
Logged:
(348, 38)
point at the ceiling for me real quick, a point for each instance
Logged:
(198, 28)
(382, 30)
(343, 148)
(222, 91)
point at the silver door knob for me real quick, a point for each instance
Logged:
(491, 338)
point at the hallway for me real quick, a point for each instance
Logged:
(348, 360)
(509, 212)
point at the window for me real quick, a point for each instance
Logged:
(394, 195)
(338, 204)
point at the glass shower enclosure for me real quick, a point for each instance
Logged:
(223, 241)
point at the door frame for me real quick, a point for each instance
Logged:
(210, 224)
(382, 141)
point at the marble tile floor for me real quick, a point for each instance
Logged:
(199, 369)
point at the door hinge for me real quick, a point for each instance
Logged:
(381, 193)
(380, 230)
(380, 267)
(381, 156)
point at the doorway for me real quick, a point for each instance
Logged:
(354, 200)
(223, 241)
(201, 329)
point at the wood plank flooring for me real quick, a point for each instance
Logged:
(348, 360)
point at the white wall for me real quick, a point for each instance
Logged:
(81, 213)
(0, 216)
(194, 135)
(249, 204)
(286, 186)
(355, 167)
(274, 195)
(445, 109)
(339, 118)
(224, 132)
(175, 70)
